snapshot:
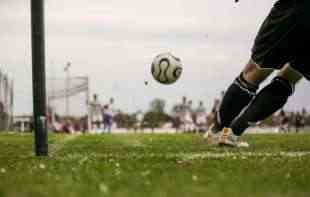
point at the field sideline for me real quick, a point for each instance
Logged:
(155, 165)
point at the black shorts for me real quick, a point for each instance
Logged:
(284, 37)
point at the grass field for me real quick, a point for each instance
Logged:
(155, 166)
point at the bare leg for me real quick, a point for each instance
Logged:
(255, 75)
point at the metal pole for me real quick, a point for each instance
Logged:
(38, 77)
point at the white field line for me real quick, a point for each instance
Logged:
(184, 157)
(206, 155)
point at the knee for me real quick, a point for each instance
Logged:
(245, 85)
(253, 74)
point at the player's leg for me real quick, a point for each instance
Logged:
(277, 43)
(236, 98)
(110, 122)
(291, 30)
(269, 100)
(244, 88)
(240, 93)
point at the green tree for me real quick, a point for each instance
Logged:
(155, 119)
(158, 105)
(156, 116)
(124, 120)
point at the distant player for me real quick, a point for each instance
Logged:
(201, 117)
(282, 43)
(216, 104)
(283, 121)
(176, 114)
(188, 119)
(211, 118)
(139, 123)
(95, 113)
(185, 114)
(182, 112)
(108, 113)
(107, 118)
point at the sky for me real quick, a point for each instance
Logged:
(114, 41)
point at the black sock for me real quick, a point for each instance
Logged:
(269, 100)
(238, 95)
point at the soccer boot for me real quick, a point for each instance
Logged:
(227, 138)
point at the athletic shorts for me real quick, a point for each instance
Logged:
(284, 37)
(96, 118)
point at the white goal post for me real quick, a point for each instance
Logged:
(6, 102)
(68, 97)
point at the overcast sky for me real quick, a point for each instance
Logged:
(114, 41)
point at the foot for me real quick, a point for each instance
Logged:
(228, 138)
(212, 135)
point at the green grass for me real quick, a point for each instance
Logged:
(155, 166)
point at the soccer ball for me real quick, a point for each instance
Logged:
(166, 68)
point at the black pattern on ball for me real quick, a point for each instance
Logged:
(177, 72)
(165, 70)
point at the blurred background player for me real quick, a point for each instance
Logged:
(201, 117)
(95, 113)
(182, 113)
(176, 117)
(299, 121)
(211, 118)
(108, 113)
(139, 123)
(188, 120)
(114, 111)
(107, 118)
(283, 121)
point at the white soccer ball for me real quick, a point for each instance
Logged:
(166, 68)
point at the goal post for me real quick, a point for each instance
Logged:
(6, 101)
(38, 77)
(60, 91)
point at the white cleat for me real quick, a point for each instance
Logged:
(227, 138)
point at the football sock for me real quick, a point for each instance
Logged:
(269, 100)
(238, 95)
